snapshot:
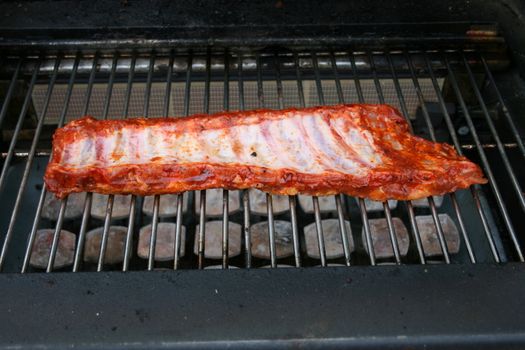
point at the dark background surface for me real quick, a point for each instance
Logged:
(283, 22)
(476, 306)
(472, 306)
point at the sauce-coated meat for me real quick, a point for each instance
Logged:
(361, 150)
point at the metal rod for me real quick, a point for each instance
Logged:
(260, 89)
(462, 229)
(504, 108)
(109, 91)
(111, 197)
(271, 230)
(319, 229)
(153, 236)
(392, 232)
(338, 202)
(246, 193)
(415, 231)
(488, 170)
(441, 236)
(368, 235)
(10, 91)
(148, 84)
(315, 199)
(169, 79)
(82, 234)
(344, 234)
(34, 228)
(89, 197)
(225, 193)
(129, 235)
(494, 132)
(43, 193)
(178, 232)
(87, 96)
(450, 126)
(269, 199)
(104, 241)
(29, 162)
(291, 199)
(202, 211)
(357, 83)
(202, 230)
(129, 85)
(432, 133)
(225, 229)
(386, 207)
(156, 198)
(247, 233)
(295, 231)
(401, 99)
(63, 204)
(56, 236)
(377, 83)
(18, 127)
(178, 229)
(362, 205)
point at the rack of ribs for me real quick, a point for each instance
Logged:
(360, 150)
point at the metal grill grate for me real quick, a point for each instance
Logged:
(442, 94)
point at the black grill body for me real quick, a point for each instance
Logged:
(452, 68)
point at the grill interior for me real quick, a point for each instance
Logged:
(447, 96)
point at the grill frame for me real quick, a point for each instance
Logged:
(392, 67)
(358, 307)
(488, 315)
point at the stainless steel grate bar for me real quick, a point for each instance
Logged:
(18, 127)
(315, 199)
(432, 133)
(105, 233)
(225, 193)
(362, 206)
(56, 235)
(89, 197)
(111, 197)
(401, 99)
(180, 196)
(271, 230)
(305, 64)
(29, 161)
(488, 169)
(269, 199)
(494, 132)
(156, 198)
(504, 108)
(10, 90)
(245, 194)
(153, 236)
(386, 207)
(473, 189)
(129, 235)
(34, 228)
(178, 232)
(63, 204)
(320, 93)
(292, 203)
(82, 234)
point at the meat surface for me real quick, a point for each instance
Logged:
(360, 150)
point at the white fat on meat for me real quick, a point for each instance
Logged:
(302, 143)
